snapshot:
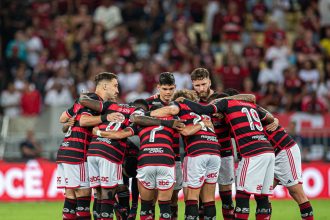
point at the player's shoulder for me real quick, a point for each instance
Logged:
(154, 99)
(94, 96)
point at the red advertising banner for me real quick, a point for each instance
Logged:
(36, 180)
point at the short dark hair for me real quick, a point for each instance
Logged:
(141, 103)
(231, 91)
(166, 78)
(217, 96)
(199, 73)
(187, 94)
(104, 76)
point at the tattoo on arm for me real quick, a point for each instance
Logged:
(91, 103)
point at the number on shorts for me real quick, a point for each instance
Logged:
(115, 124)
(253, 119)
(153, 133)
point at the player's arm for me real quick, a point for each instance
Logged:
(150, 121)
(269, 126)
(239, 97)
(193, 129)
(66, 115)
(67, 125)
(265, 116)
(93, 104)
(170, 110)
(115, 135)
(200, 109)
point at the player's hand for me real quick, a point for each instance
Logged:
(273, 126)
(178, 124)
(70, 122)
(180, 99)
(115, 117)
(218, 115)
(208, 124)
(95, 129)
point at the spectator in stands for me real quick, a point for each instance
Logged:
(259, 12)
(139, 93)
(273, 32)
(309, 75)
(294, 89)
(182, 76)
(325, 42)
(314, 104)
(306, 49)
(272, 98)
(302, 142)
(30, 101)
(278, 10)
(10, 101)
(34, 46)
(16, 48)
(130, 79)
(268, 74)
(324, 10)
(20, 76)
(59, 95)
(30, 147)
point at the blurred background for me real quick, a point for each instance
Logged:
(278, 50)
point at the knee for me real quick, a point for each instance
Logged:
(225, 187)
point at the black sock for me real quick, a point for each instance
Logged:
(263, 209)
(306, 211)
(242, 209)
(227, 204)
(123, 199)
(69, 209)
(165, 209)
(146, 210)
(200, 209)
(83, 210)
(95, 212)
(174, 211)
(106, 212)
(191, 211)
(209, 210)
(135, 193)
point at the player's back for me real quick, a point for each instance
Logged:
(247, 128)
(156, 145)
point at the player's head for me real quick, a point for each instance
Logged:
(201, 82)
(231, 91)
(217, 96)
(141, 103)
(166, 86)
(187, 94)
(107, 85)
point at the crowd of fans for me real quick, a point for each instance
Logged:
(277, 49)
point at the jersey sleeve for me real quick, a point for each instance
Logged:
(134, 129)
(70, 112)
(200, 109)
(221, 106)
(262, 113)
(104, 106)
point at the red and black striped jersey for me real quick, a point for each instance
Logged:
(204, 141)
(244, 120)
(113, 150)
(222, 130)
(156, 145)
(76, 141)
(155, 100)
(279, 139)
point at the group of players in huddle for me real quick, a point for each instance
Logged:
(107, 143)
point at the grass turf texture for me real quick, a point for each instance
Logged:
(282, 210)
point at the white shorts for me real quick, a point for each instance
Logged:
(72, 176)
(227, 171)
(104, 173)
(288, 166)
(178, 175)
(200, 169)
(156, 177)
(255, 175)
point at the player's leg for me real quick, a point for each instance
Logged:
(165, 180)
(225, 180)
(288, 171)
(208, 189)
(70, 202)
(177, 188)
(135, 199)
(122, 207)
(263, 206)
(77, 178)
(95, 183)
(194, 176)
(111, 177)
(146, 183)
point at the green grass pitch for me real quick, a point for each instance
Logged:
(282, 210)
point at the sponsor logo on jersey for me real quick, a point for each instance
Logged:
(259, 137)
(210, 138)
(152, 150)
(94, 179)
(106, 140)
